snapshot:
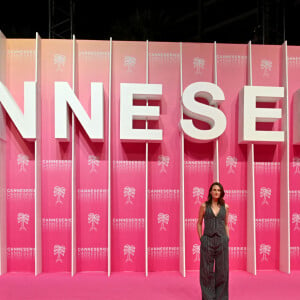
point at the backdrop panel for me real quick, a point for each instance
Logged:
(92, 63)
(267, 72)
(232, 59)
(128, 168)
(20, 162)
(197, 65)
(56, 65)
(164, 161)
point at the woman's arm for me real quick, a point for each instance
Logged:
(200, 219)
(226, 219)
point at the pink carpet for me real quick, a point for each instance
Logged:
(134, 286)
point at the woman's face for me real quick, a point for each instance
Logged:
(215, 192)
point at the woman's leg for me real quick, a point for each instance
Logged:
(222, 270)
(207, 276)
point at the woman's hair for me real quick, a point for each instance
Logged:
(221, 200)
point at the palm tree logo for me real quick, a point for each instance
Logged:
(265, 251)
(265, 193)
(198, 64)
(59, 251)
(129, 193)
(22, 161)
(266, 66)
(296, 165)
(129, 251)
(198, 193)
(163, 219)
(129, 62)
(59, 191)
(163, 162)
(59, 61)
(23, 219)
(296, 220)
(196, 252)
(231, 162)
(93, 219)
(232, 218)
(94, 162)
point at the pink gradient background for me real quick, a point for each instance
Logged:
(128, 159)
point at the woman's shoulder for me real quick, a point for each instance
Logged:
(226, 206)
(203, 207)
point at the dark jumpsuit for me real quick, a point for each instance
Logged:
(214, 251)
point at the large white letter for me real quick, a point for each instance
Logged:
(25, 123)
(93, 126)
(209, 114)
(249, 114)
(129, 112)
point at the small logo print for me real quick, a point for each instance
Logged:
(129, 251)
(163, 219)
(129, 193)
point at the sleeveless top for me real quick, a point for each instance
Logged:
(214, 225)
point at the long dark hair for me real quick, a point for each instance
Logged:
(221, 200)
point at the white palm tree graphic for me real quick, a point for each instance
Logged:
(22, 161)
(59, 61)
(198, 193)
(163, 219)
(196, 252)
(23, 219)
(199, 64)
(232, 218)
(93, 161)
(93, 219)
(129, 251)
(265, 193)
(265, 251)
(59, 251)
(129, 193)
(129, 62)
(163, 162)
(231, 162)
(266, 66)
(59, 191)
(296, 165)
(296, 220)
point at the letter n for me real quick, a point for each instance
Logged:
(65, 96)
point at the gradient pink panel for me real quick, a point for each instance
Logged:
(20, 163)
(92, 66)
(164, 161)
(56, 65)
(266, 72)
(128, 166)
(197, 65)
(232, 59)
(294, 74)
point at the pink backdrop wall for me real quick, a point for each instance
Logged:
(128, 164)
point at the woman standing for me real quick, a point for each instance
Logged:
(214, 245)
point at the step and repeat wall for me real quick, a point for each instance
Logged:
(120, 170)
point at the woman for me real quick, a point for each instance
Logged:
(214, 244)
